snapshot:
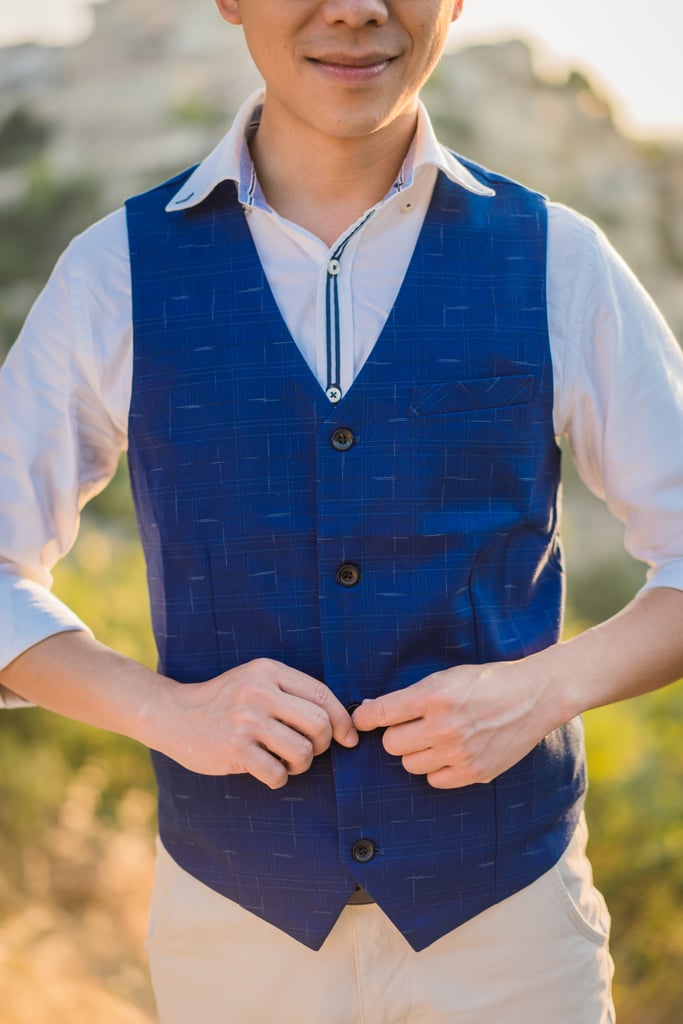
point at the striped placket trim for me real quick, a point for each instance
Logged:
(333, 389)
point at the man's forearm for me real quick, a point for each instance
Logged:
(74, 675)
(638, 650)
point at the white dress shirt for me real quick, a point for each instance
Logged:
(66, 385)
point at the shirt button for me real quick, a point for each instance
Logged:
(363, 850)
(333, 268)
(348, 575)
(334, 394)
(342, 439)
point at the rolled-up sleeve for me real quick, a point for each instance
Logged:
(64, 395)
(619, 392)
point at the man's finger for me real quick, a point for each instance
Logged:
(408, 738)
(298, 684)
(343, 728)
(292, 747)
(391, 709)
(423, 762)
(304, 718)
(262, 765)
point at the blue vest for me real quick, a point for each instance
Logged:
(442, 496)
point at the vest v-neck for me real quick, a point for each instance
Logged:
(426, 255)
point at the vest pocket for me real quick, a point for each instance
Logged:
(468, 395)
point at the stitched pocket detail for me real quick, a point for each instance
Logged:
(469, 395)
(593, 920)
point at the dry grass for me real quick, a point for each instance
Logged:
(72, 939)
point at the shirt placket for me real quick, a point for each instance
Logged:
(336, 316)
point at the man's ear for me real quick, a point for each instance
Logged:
(457, 9)
(229, 10)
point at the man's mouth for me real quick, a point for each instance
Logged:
(353, 67)
(349, 60)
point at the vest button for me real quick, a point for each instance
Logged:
(348, 575)
(342, 439)
(353, 706)
(363, 850)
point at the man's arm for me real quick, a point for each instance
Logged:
(64, 397)
(262, 718)
(470, 723)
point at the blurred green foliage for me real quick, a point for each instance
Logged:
(27, 253)
(199, 109)
(103, 579)
(39, 198)
(22, 135)
(635, 761)
(65, 204)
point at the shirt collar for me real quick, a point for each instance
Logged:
(230, 161)
(429, 151)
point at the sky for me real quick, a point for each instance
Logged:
(629, 49)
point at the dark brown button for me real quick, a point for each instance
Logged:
(342, 439)
(348, 575)
(363, 850)
(353, 706)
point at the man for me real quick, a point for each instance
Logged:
(352, 355)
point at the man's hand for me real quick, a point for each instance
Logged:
(468, 724)
(262, 718)
(463, 725)
(457, 727)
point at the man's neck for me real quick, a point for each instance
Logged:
(325, 184)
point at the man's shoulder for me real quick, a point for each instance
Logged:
(567, 226)
(108, 237)
(102, 249)
(496, 180)
(576, 242)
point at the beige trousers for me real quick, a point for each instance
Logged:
(539, 957)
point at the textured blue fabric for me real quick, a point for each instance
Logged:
(447, 503)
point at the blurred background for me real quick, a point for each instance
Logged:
(100, 100)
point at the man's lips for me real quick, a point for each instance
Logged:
(348, 60)
(352, 67)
